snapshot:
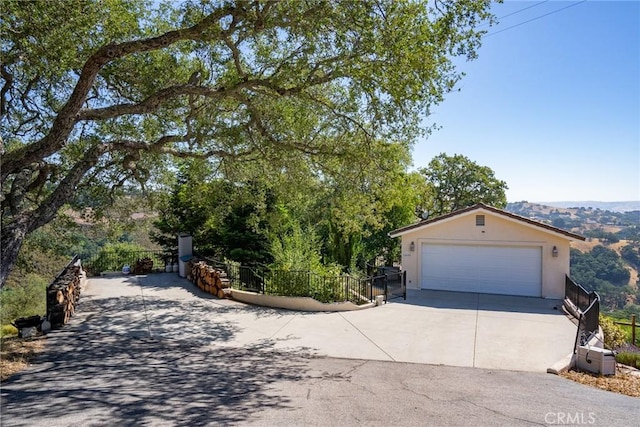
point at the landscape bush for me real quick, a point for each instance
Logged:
(297, 249)
(614, 336)
(304, 284)
(112, 257)
(297, 269)
(629, 358)
(8, 331)
(26, 298)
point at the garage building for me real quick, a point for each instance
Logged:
(486, 250)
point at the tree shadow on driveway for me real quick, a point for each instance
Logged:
(97, 379)
(482, 302)
(149, 360)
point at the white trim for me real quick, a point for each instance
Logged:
(486, 212)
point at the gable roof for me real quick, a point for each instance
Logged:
(482, 207)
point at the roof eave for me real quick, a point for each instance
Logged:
(481, 207)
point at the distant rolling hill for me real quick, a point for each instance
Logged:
(605, 206)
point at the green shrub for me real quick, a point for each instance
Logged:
(287, 283)
(324, 288)
(614, 335)
(34, 260)
(627, 331)
(113, 256)
(24, 298)
(629, 358)
(8, 331)
(298, 271)
(327, 289)
(297, 250)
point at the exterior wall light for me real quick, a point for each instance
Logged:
(412, 246)
(554, 252)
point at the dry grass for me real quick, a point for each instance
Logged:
(634, 276)
(15, 354)
(585, 246)
(588, 245)
(623, 382)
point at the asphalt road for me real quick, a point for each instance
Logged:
(98, 380)
(118, 376)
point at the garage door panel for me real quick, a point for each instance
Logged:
(510, 270)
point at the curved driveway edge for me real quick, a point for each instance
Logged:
(156, 351)
(293, 303)
(442, 328)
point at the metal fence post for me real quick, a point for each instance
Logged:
(386, 290)
(404, 285)
(575, 346)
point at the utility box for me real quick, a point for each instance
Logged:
(596, 360)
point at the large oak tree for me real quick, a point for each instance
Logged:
(96, 95)
(455, 182)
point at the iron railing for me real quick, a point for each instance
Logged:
(115, 261)
(269, 281)
(578, 295)
(321, 288)
(395, 284)
(588, 305)
(591, 317)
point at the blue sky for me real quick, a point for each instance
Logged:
(553, 105)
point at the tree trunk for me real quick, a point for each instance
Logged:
(15, 232)
(12, 237)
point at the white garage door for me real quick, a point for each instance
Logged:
(504, 270)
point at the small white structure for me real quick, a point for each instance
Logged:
(596, 360)
(486, 250)
(185, 252)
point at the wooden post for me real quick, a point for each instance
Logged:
(633, 329)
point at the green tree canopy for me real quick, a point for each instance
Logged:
(599, 265)
(631, 254)
(102, 95)
(455, 182)
(349, 208)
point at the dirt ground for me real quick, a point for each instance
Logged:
(16, 353)
(624, 382)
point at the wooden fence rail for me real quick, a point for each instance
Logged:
(633, 325)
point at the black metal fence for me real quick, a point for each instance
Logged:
(588, 304)
(265, 280)
(116, 260)
(578, 295)
(387, 281)
(395, 284)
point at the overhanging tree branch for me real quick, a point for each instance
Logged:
(67, 117)
(259, 71)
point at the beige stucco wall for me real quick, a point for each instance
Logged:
(497, 231)
(293, 303)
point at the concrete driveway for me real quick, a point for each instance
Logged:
(154, 351)
(455, 329)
